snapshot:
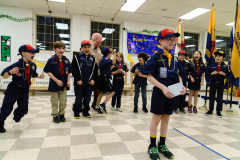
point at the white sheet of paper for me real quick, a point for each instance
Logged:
(176, 88)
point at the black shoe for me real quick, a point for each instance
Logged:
(209, 112)
(2, 129)
(182, 110)
(103, 108)
(164, 151)
(135, 110)
(76, 116)
(62, 118)
(153, 153)
(144, 109)
(17, 119)
(87, 115)
(56, 119)
(175, 111)
(219, 114)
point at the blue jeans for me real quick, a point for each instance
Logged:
(144, 96)
(118, 88)
(83, 98)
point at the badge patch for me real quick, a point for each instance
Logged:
(91, 59)
(224, 65)
(18, 74)
(33, 67)
(201, 65)
(66, 61)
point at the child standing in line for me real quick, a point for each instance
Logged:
(120, 69)
(217, 73)
(195, 80)
(140, 81)
(58, 69)
(85, 71)
(162, 69)
(105, 85)
(180, 100)
(18, 88)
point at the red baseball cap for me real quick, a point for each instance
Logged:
(165, 33)
(85, 42)
(182, 52)
(27, 48)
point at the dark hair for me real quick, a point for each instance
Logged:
(200, 59)
(143, 55)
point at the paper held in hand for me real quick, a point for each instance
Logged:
(176, 88)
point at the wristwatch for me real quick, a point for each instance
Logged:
(9, 73)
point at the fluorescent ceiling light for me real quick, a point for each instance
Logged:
(66, 42)
(190, 46)
(230, 24)
(103, 38)
(64, 35)
(108, 31)
(194, 13)
(219, 40)
(62, 1)
(132, 5)
(187, 37)
(62, 26)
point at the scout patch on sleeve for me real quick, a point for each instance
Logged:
(224, 65)
(33, 67)
(66, 61)
(201, 65)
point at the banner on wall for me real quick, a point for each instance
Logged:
(137, 43)
(6, 48)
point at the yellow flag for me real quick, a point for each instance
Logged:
(236, 48)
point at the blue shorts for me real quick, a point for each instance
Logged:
(196, 84)
(160, 104)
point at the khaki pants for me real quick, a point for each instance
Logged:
(62, 98)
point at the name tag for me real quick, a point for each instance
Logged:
(163, 72)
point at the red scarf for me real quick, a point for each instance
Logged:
(219, 67)
(27, 74)
(198, 68)
(60, 66)
(120, 66)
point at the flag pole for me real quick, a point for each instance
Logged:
(231, 97)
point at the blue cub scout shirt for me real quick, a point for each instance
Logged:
(157, 61)
(139, 80)
(193, 70)
(19, 78)
(217, 77)
(185, 69)
(105, 67)
(52, 66)
(117, 67)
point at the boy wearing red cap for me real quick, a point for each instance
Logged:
(18, 88)
(58, 69)
(162, 69)
(85, 72)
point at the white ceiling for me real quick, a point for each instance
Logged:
(149, 12)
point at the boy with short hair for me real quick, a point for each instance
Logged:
(85, 73)
(18, 88)
(58, 69)
(162, 69)
(217, 73)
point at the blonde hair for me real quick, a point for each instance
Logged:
(120, 54)
(58, 44)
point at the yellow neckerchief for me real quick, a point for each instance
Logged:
(169, 56)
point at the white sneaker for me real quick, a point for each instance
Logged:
(119, 109)
(113, 109)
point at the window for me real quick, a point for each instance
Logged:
(106, 30)
(50, 30)
(223, 45)
(191, 41)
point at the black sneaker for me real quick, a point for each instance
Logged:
(2, 129)
(164, 151)
(209, 112)
(182, 110)
(76, 116)
(153, 153)
(175, 111)
(16, 119)
(62, 118)
(103, 108)
(56, 119)
(144, 109)
(135, 110)
(219, 114)
(194, 109)
(87, 115)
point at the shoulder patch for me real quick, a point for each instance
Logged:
(66, 61)
(33, 67)
(224, 65)
(201, 65)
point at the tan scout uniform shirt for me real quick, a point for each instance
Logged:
(96, 53)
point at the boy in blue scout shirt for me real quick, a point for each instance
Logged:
(58, 68)
(120, 69)
(18, 88)
(180, 100)
(162, 69)
(217, 73)
(140, 81)
(85, 72)
(105, 85)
